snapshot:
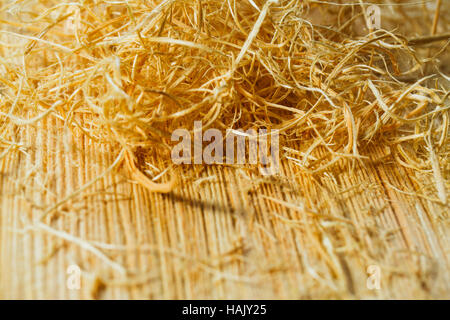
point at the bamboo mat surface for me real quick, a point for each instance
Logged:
(229, 235)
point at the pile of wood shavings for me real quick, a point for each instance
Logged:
(140, 69)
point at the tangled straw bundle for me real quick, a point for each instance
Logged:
(130, 72)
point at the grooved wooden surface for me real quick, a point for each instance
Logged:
(230, 235)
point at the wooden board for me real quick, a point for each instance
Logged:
(229, 235)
